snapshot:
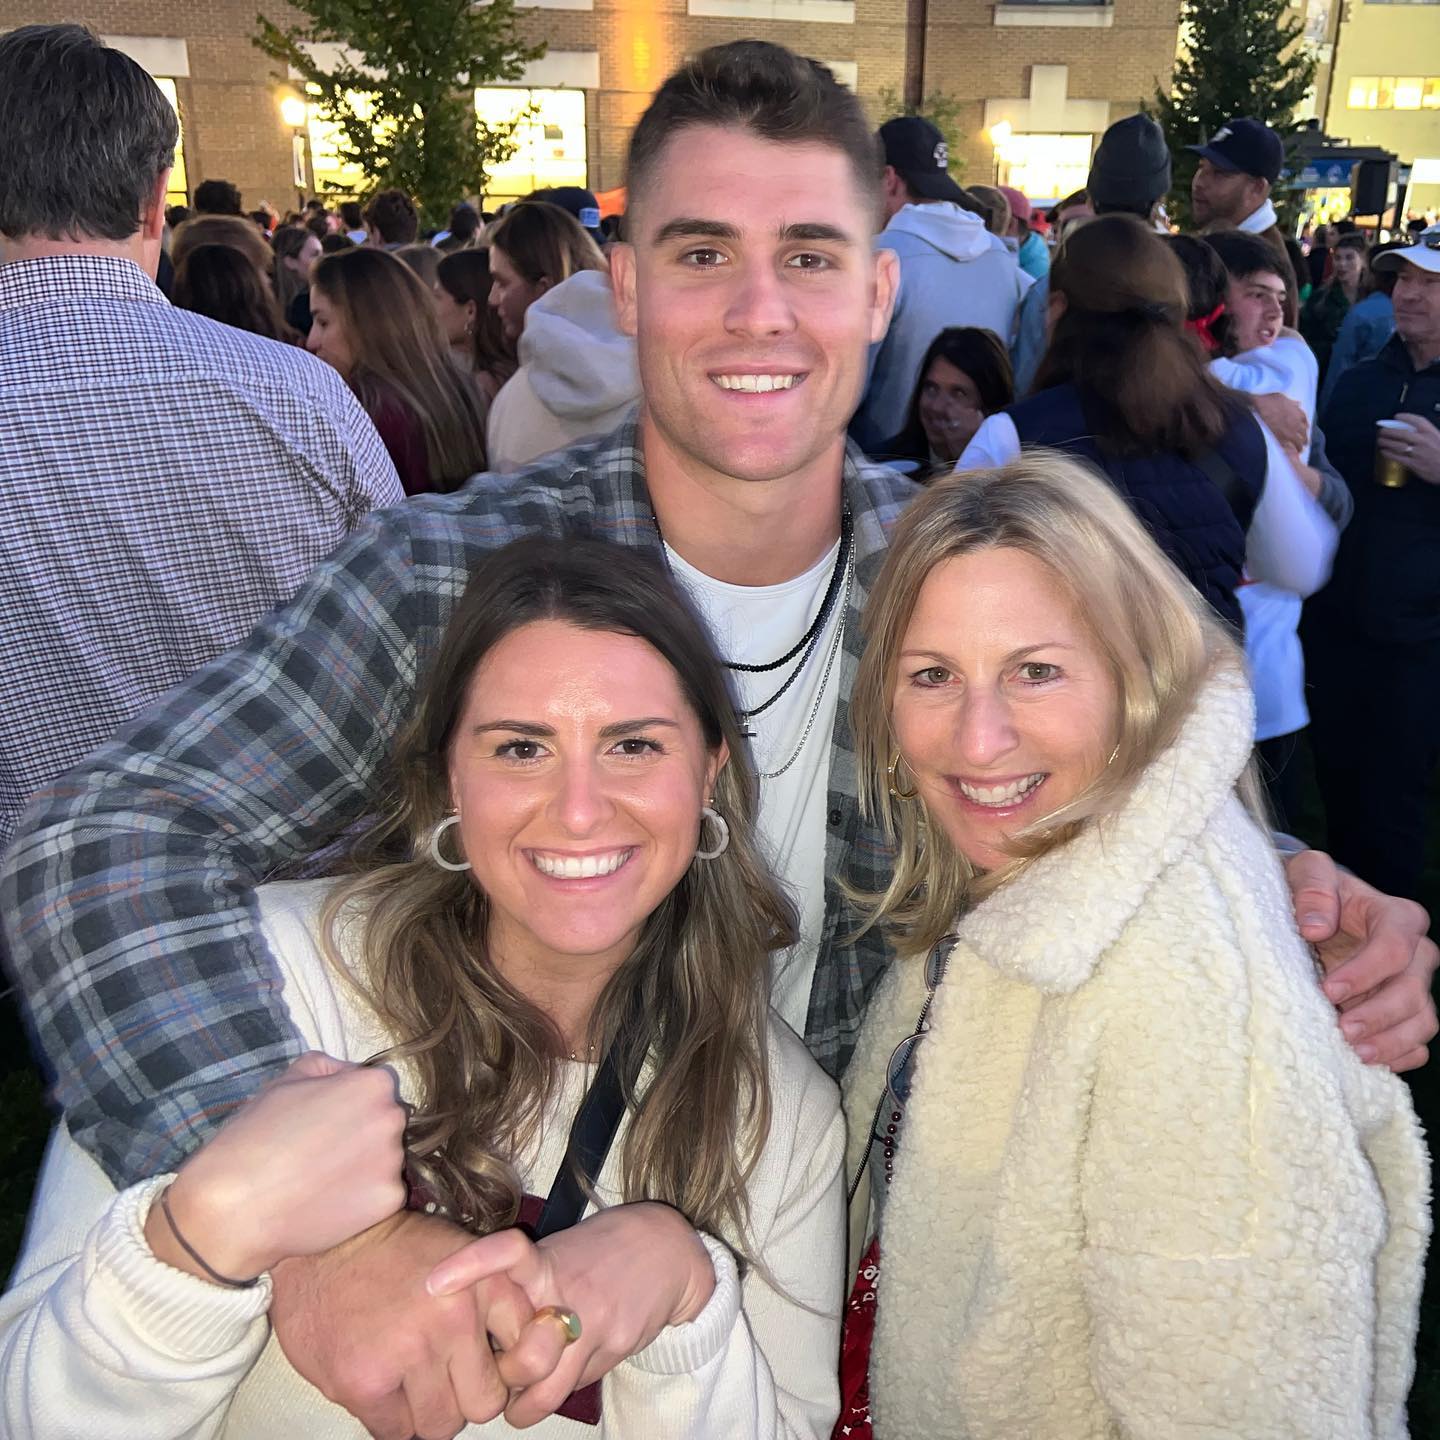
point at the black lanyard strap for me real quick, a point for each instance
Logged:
(590, 1137)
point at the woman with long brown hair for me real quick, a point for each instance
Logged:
(532, 249)
(558, 934)
(1123, 386)
(472, 327)
(375, 323)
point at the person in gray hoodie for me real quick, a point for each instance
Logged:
(577, 375)
(953, 271)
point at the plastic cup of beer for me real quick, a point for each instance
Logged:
(1388, 471)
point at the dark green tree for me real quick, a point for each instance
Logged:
(404, 98)
(1238, 57)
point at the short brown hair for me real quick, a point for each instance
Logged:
(765, 89)
(392, 215)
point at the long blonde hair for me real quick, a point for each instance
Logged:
(1159, 639)
(400, 352)
(692, 997)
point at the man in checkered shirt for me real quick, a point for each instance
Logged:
(164, 480)
(129, 894)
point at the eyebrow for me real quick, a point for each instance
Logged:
(1013, 655)
(546, 732)
(694, 228)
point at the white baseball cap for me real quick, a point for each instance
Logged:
(1424, 252)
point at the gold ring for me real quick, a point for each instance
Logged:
(567, 1318)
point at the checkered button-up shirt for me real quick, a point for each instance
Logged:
(164, 481)
(127, 895)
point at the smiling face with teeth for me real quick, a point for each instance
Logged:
(578, 771)
(753, 291)
(1004, 706)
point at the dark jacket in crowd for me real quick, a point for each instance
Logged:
(1386, 581)
(1321, 319)
(1197, 511)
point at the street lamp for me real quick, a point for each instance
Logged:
(295, 112)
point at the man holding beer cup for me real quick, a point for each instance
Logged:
(1372, 636)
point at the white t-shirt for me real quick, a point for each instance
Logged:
(752, 625)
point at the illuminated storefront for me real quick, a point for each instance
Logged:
(1044, 166)
(549, 140)
(179, 191)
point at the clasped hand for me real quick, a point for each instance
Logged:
(627, 1273)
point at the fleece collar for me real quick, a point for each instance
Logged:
(1050, 925)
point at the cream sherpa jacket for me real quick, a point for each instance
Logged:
(1143, 1188)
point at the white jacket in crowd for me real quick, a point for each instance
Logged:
(1142, 1187)
(577, 375)
(99, 1340)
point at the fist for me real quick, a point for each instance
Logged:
(315, 1158)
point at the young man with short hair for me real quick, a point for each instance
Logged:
(750, 280)
(392, 220)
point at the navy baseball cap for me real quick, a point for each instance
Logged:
(917, 152)
(1244, 147)
(579, 202)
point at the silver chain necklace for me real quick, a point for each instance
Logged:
(824, 678)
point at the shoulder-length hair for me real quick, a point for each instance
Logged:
(400, 352)
(544, 242)
(221, 282)
(692, 997)
(1158, 638)
(1121, 341)
(974, 352)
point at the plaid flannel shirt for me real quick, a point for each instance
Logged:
(128, 894)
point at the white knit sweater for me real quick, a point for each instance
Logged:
(1143, 1189)
(101, 1341)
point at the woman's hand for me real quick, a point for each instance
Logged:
(313, 1159)
(627, 1273)
(1417, 449)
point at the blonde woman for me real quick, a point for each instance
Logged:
(1127, 1177)
(374, 321)
(559, 936)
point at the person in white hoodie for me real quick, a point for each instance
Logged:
(953, 271)
(577, 375)
(1262, 356)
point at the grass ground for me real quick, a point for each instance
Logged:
(24, 1124)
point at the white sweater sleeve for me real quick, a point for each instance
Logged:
(1291, 541)
(996, 442)
(760, 1362)
(99, 1340)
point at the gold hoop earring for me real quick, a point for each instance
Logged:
(891, 771)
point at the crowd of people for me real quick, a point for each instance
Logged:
(477, 977)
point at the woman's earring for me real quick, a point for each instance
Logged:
(892, 770)
(435, 835)
(708, 812)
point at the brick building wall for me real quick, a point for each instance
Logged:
(233, 129)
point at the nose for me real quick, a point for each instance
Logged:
(312, 340)
(984, 729)
(759, 305)
(581, 803)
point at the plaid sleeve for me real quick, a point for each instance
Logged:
(127, 894)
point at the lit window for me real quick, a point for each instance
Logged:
(1045, 166)
(331, 172)
(1430, 96)
(1363, 92)
(1408, 89)
(549, 142)
(1385, 99)
(178, 193)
